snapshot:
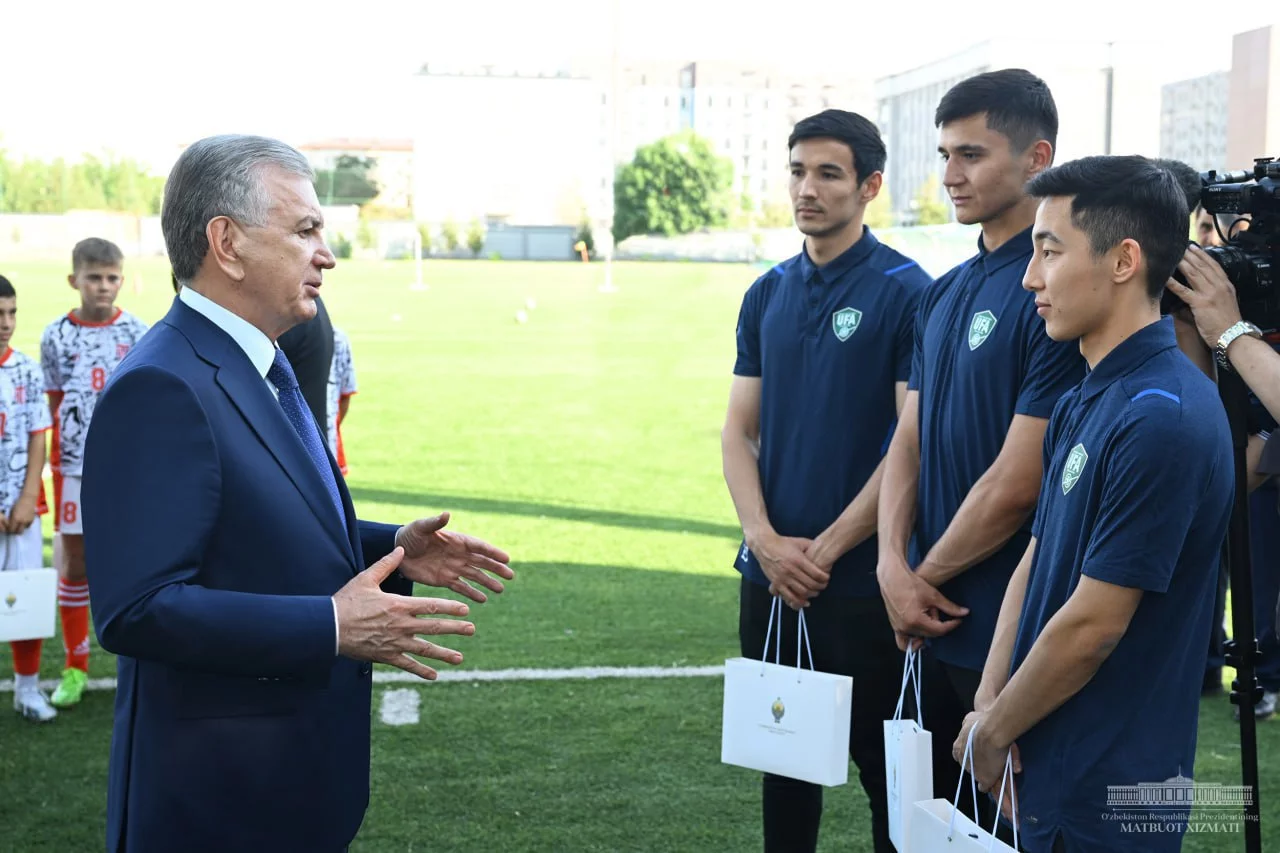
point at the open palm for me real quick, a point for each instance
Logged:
(438, 557)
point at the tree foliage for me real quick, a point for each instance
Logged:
(38, 186)
(350, 181)
(675, 185)
(879, 213)
(930, 210)
(475, 237)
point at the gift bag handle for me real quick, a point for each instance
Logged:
(777, 657)
(1006, 777)
(910, 672)
(966, 761)
(1013, 801)
(802, 638)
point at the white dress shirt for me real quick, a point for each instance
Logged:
(261, 352)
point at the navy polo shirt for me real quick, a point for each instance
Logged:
(981, 357)
(1137, 492)
(828, 344)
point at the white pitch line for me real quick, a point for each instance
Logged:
(399, 676)
(400, 706)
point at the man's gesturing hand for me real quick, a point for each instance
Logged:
(438, 557)
(377, 626)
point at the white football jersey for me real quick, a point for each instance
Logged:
(77, 359)
(342, 383)
(23, 412)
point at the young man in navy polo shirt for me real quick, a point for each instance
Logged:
(824, 350)
(963, 472)
(1096, 668)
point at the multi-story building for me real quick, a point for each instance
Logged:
(1193, 121)
(1253, 109)
(748, 113)
(745, 111)
(1108, 99)
(553, 139)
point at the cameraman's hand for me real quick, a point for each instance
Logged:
(1210, 296)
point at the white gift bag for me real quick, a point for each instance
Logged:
(908, 759)
(28, 593)
(786, 721)
(938, 826)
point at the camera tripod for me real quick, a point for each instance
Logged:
(1242, 650)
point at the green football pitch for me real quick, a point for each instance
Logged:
(586, 442)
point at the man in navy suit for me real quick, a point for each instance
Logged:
(245, 601)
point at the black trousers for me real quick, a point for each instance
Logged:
(849, 636)
(948, 698)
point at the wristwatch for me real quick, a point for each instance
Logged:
(1241, 328)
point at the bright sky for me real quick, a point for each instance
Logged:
(138, 76)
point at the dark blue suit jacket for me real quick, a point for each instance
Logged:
(215, 550)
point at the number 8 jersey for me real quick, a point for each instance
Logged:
(77, 357)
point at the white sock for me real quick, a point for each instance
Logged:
(23, 683)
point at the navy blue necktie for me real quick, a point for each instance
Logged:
(304, 423)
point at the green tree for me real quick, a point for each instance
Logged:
(776, 214)
(475, 237)
(350, 181)
(929, 209)
(36, 186)
(585, 236)
(449, 235)
(673, 186)
(366, 237)
(879, 213)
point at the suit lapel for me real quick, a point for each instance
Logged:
(249, 393)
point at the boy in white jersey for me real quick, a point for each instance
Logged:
(77, 354)
(23, 422)
(342, 386)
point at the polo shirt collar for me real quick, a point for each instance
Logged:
(849, 259)
(1016, 247)
(1132, 353)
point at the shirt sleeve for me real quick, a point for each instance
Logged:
(348, 386)
(904, 356)
(50, 364)
(1052, 369)
(1157, 473)
(749, 357)
(37, 407)
(920, 319)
